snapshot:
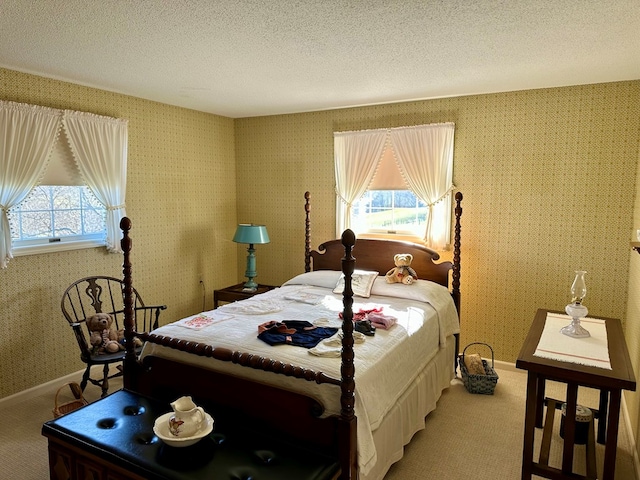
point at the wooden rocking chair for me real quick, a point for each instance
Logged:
(100, 294)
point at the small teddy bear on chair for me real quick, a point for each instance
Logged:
(103, 338)
(402, 273)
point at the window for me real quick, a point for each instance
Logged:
(61, 213)
(396, 181)
(389, 211)
(57, 218)
(53, 163)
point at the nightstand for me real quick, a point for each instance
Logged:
(235, 293)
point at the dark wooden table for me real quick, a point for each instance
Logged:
(236, 292)
(609, 382)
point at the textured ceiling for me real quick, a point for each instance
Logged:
(263, 57)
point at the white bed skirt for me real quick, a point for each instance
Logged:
(408, 415)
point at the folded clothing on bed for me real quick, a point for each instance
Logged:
(294, 332)
(379, 320)
(332, 347)
(374, 317)
(363, 313)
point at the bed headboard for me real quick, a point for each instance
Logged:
(377, 255)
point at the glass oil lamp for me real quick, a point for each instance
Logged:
(576, 310)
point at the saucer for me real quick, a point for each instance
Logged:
(161, 429)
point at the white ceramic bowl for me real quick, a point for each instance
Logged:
(161, 429)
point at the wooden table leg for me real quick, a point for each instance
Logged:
(611, 445)
(540, 401)
(529, 426)
(602, 416)
(569, 428)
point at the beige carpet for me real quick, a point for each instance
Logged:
(480, 437)
(468, 436)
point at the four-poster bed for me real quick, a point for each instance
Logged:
(315, 401)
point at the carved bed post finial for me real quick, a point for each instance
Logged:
(307, 233)
(129, 324)
(348, 420)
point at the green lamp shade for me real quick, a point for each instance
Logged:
(251, 234)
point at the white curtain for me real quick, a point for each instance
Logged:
(356, 157)
(27, 135)
(424, 155)
(99, 146)
(425, 158)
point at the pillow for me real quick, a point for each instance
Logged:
(420, 290)
(319, 278)
(361, 283)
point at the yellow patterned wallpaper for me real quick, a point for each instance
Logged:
(549, 178)
(632, 331)
(181, 198)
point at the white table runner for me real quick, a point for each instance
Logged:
(592, 351)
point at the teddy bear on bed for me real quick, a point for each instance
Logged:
(103, 338)
(402, 273)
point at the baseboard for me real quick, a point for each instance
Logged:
(510, 367)
(41, 389)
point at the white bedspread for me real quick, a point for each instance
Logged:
(385, 364)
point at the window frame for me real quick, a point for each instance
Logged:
(34, 246)
(57, 246)
(394, 232)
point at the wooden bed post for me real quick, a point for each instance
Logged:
(455, 284)
(348, 420)
(307, 233)
(129, 324)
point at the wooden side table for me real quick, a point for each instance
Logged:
(235, 293)
(609, 382)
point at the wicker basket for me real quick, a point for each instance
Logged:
(474, 383)
(79, 401)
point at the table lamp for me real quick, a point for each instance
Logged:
(251, 234)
